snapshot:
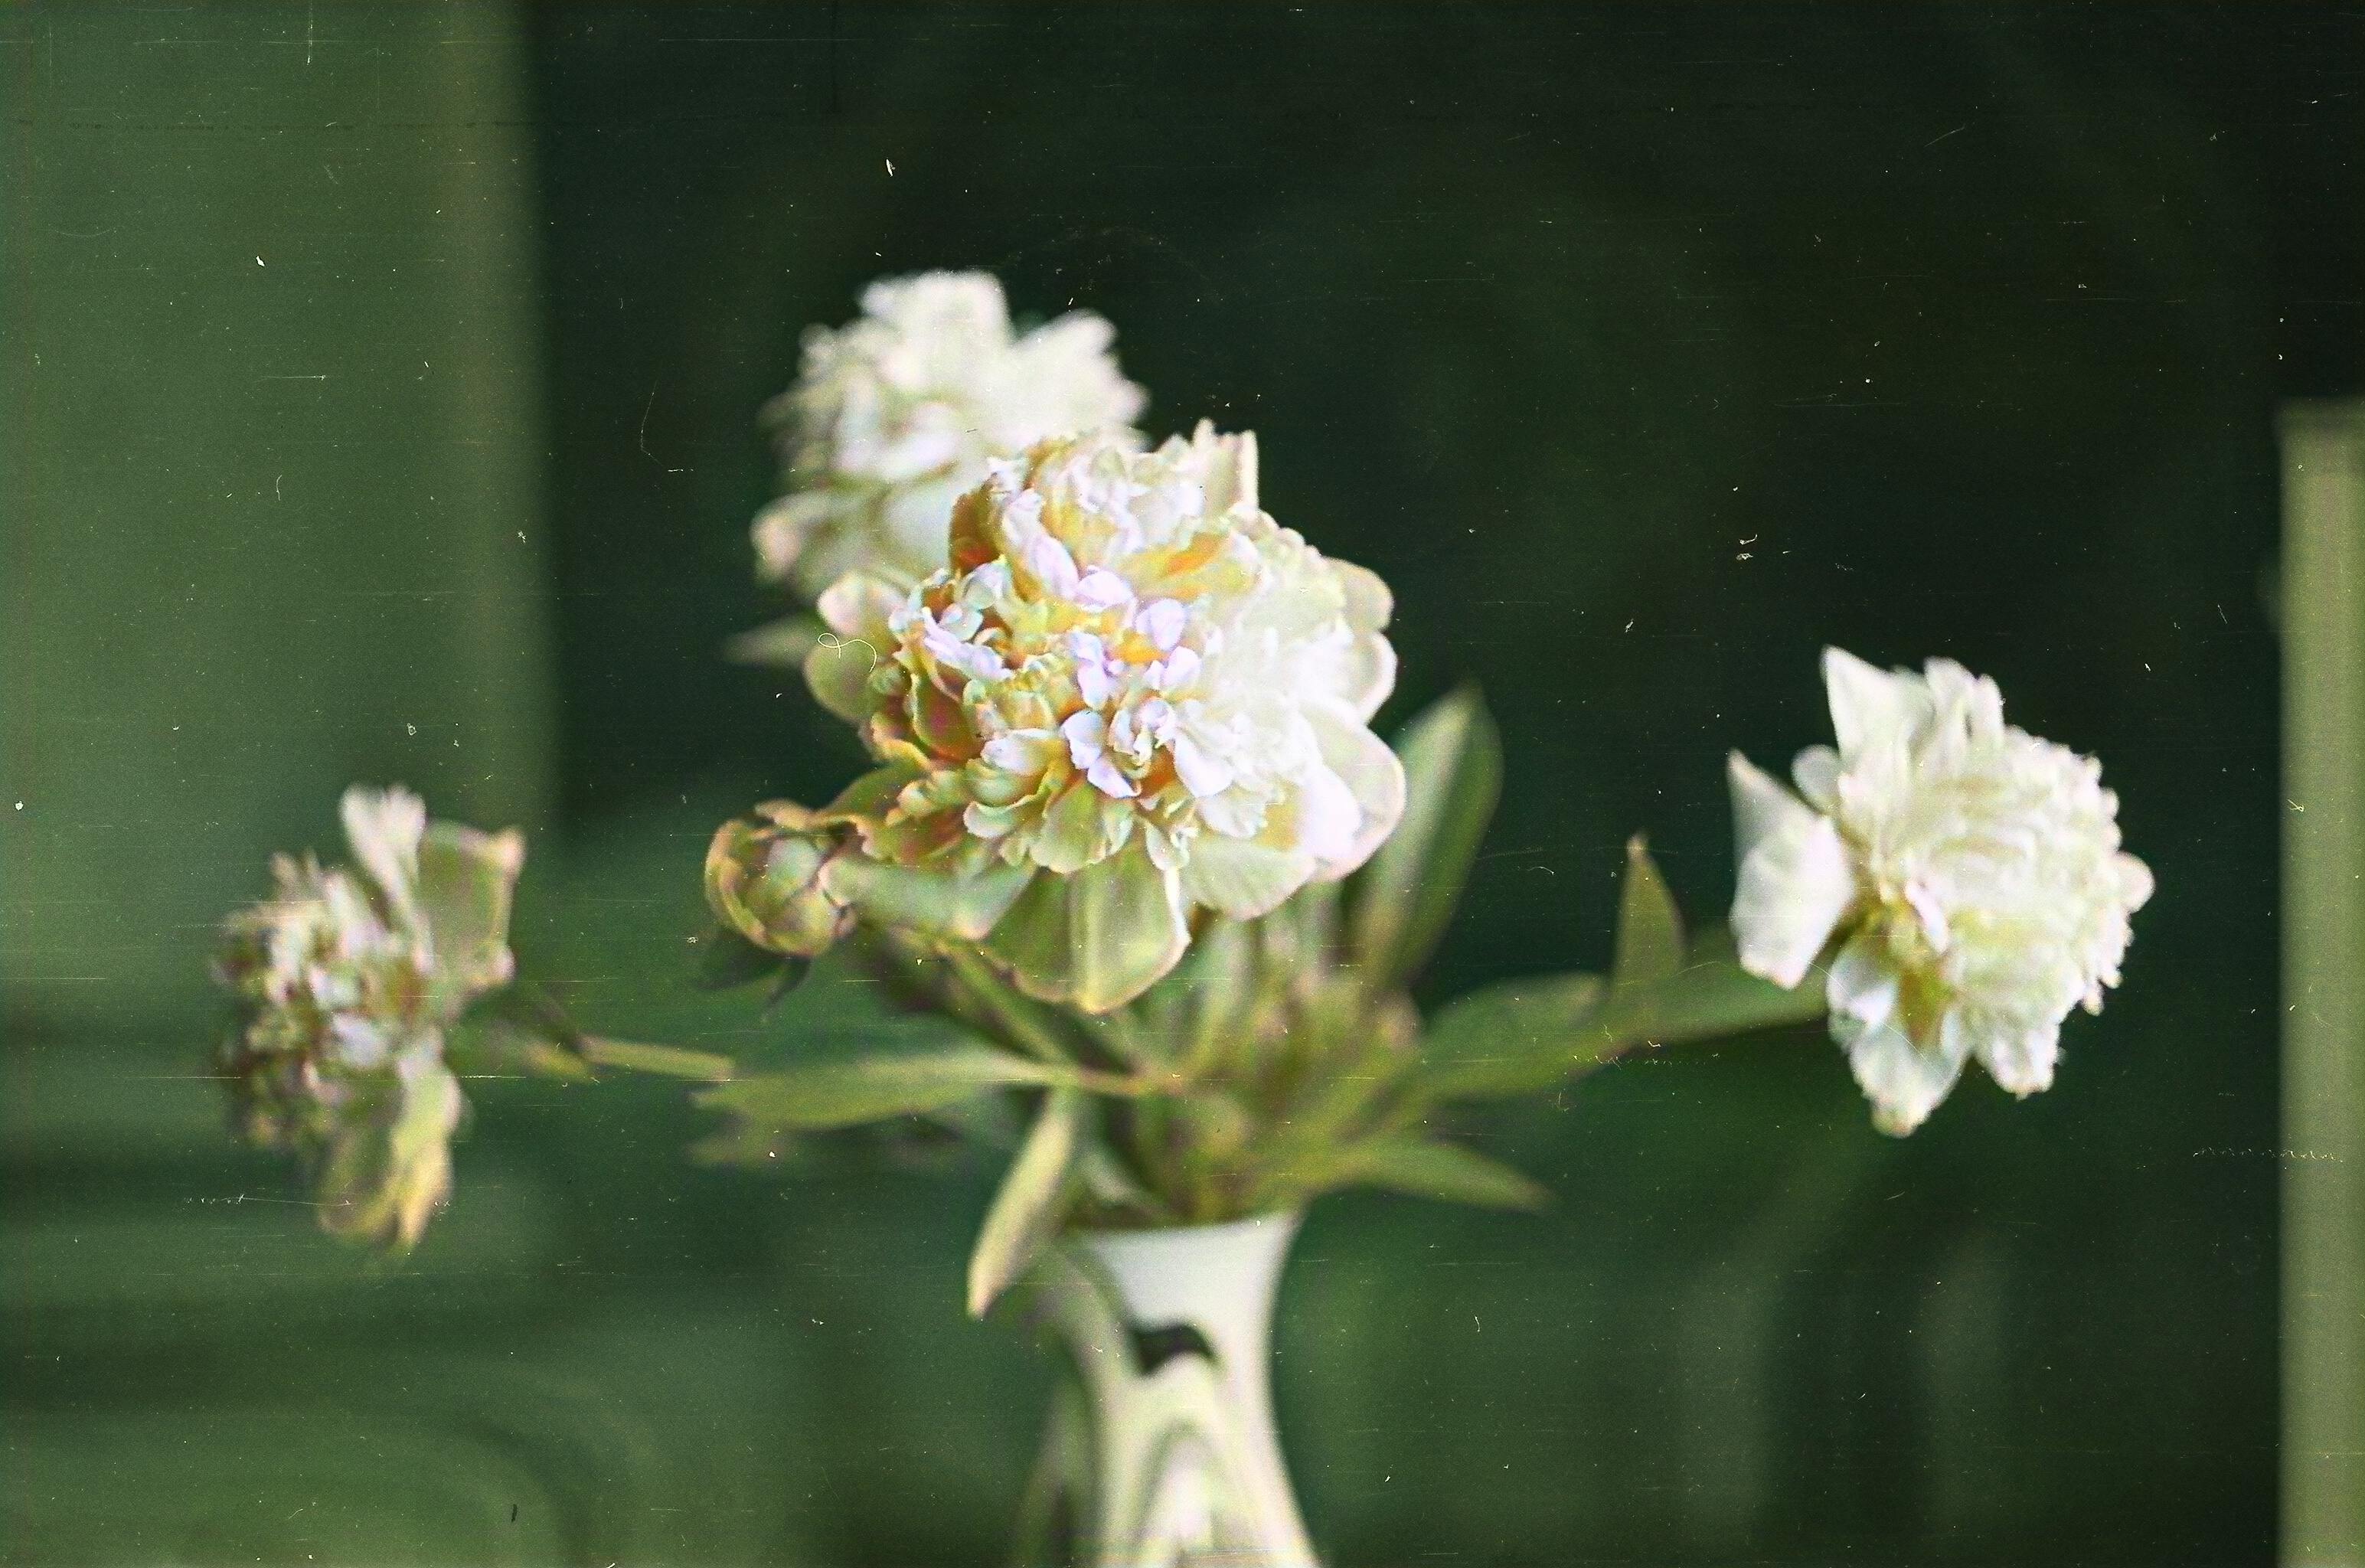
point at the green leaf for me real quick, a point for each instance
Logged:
(817, 1095)
(465, 881)
(1514, 1037)
(1453, 772)
(1650, 930)
(666, 1061)
(1709, 997)
(1429, 1169)
(1028, 1210)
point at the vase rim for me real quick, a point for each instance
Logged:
(1285, 1217)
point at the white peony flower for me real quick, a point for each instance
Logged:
(1972, 871)
(896, 414)
(345, 980)
(335, 965)
(1127, 672)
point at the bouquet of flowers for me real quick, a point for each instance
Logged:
(1133, 858)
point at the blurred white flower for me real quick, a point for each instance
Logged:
(1971, 871)
(1125, 664)
(896, 414)
(345, 980)
(334, 964)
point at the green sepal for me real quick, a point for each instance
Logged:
(962, 906)
(1097, 939)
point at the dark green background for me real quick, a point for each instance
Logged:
(1643, 351)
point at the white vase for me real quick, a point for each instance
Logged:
(1161, 1451)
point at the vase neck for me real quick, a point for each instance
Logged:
(1167, 1331)
(1220, 1279)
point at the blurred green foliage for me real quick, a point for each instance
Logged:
(1641, 350)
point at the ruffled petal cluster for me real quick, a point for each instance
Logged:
(1129, 677)
(1970, 873)
(896, 414)
(344, 981)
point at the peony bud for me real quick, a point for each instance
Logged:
(764, 880)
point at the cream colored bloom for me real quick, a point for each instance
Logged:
(896, 414)
(1127, 677)
(1971, 871)
(345, 980)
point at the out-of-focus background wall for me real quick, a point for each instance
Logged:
(379, 403)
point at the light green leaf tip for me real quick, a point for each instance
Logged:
(1430, 1169)
(1454, 774)
(1650, 929)
(1026, 1211)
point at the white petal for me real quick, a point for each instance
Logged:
(1905, 1083)
(1242, 877)
(1162, 620)
(1369, 603)
(2135, 883)
(1759, 804)
(1051, 564)
(1175, 670)
(1327, 816)
(1816, 772)
(857, 606)
(1862, 985)
(1795, 882)
(1108, 780)
(986, 586)
(1094, 684)
(1022, 751)
(1202, 772)
(1086, 732)
(1935, 929)
(1101, 588)
(1368, 674)
(1234, 813)
(361, 1044)
(384, 827)
(2018, 1058)
(1868, 705)
(1373, 774)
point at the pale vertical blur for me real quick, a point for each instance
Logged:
(2324, 983)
